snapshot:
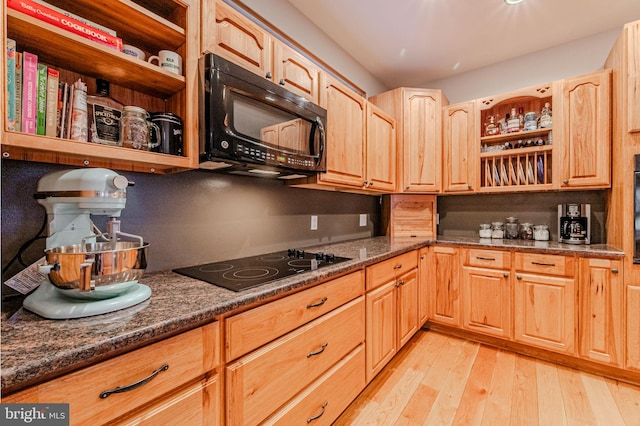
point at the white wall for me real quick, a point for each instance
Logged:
(567, 60)
(282, 15)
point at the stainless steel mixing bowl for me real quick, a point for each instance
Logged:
(88, 267)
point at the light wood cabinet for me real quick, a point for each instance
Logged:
(411, 217)
(601, 310)
(176, 368)
(584, 134)
(632, 94)
(295, 72)
(545, 301)
(460, 148)
(169, 25)
(444, 285)
(392, 309)
(632, 320)
(381, 150)
(423, 286)
(230, 34)
(419, 136)
(486, 292)
(260, 382)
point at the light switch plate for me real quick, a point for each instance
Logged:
(314, 223)
(363, 220)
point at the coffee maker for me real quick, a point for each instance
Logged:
(574, 223)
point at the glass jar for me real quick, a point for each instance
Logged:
(485, 230)
(135, 129)
(512, 228)
(491, 128)
(497, 230)
(530, 121)
(526, 231)
(541, 233)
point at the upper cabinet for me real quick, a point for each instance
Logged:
(381, 150)
(460, 159)
(419, 136)
(633, 76)
(150, 26)
(230, 34)
(585, 131)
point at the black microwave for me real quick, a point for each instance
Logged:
(252, 126)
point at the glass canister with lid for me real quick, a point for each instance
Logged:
(526, 231)
(512, 228)
(541, 233)
(485, 230)
(497, 230)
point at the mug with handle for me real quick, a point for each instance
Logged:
(135, 129)
(169, 60)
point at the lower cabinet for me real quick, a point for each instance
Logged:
(601, 308)
(392, 309)
(444, 285)
(182, 386)
(486, 292)
(423, 285)
(545, 301)
(632, 352)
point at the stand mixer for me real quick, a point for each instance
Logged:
(89, 272)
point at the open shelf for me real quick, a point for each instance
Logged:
(516, 169)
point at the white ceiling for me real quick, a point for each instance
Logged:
(412, 42)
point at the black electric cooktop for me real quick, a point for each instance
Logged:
(253, 271)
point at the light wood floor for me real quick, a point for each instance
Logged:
(443, 380)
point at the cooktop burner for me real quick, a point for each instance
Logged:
(248, 272)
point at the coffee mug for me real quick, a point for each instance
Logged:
(168, 60)
(133, 51)
(170, 134)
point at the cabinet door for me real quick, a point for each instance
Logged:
(422, 141)
(633, 328)
(346, 114)
(444, 285)
(585, 140)
(407, 286)
(633, 76)
(487, 301)
(461, 150)
(423, 286)
(381, 328)
(238, 39)
(601, 310)
(544, 312)
(381, 150)
(295, 72)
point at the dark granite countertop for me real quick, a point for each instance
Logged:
(35, 349)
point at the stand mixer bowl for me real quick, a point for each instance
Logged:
(97, 270)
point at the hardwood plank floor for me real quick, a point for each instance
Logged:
(443, 380)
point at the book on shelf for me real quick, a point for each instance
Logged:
(53, 78)
(50, 16)
(63, 105)
(41, 103)
(29, 91)
(11, 84)
(18, 109)
(78, 18)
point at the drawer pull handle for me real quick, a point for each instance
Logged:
(398, 266)
(486, 258)
(542, 263)
(315, 305)
(318, 352)
(317, 416)
(135, 385)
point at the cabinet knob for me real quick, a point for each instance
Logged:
(269, 75)
(281, 82)
(519, 277)
(469, 187)
(566, 181)
(506, 275)
(614, 271)
(407, 187)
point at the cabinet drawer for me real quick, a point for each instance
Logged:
(550, 264)
(189, 356)
(387, 270)
(324, 400)
(262, 381)
(250, 330)
(489, 258)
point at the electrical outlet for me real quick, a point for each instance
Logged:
(363, 220)
(314, 223)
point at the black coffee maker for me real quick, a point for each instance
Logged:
(574, 223)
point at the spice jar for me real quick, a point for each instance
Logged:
(485, 230)
(512, 228)
(497, 230)
(526, 231)
(541, 233)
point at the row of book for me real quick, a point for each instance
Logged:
(68, 21)
(38, 102)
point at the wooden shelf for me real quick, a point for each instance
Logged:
(60, 48)
(517, 151)
(22, 146)
(527, 134)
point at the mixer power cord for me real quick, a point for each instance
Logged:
(25, 246)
